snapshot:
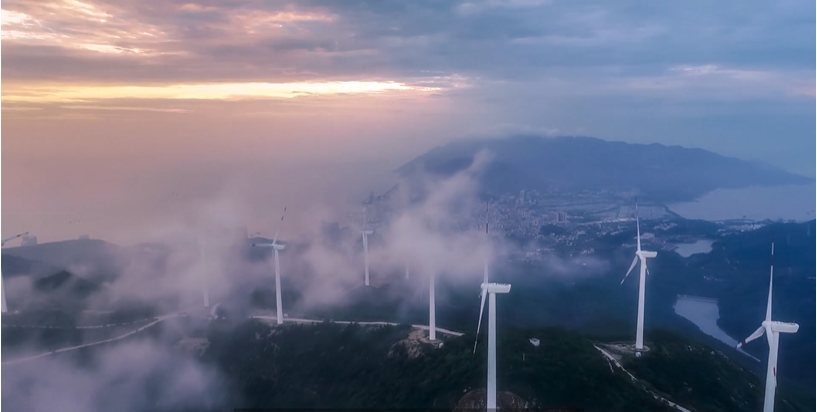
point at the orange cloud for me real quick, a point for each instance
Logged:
(215, 91)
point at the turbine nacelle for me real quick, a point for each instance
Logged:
(646, 254)
(367, 232)
(783, 327)
(496, 288)
(276, 246)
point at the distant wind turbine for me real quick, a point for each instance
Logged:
(276, 247)
(365, 234)
(2, 284)
(640, 255)
(491, 289)
(773, 329)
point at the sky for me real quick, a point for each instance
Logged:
(124, 115)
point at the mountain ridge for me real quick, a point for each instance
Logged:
(580, 163)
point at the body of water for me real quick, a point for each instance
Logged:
(779, 202)
(705, 314)
(688, 249)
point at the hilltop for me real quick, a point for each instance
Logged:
(576, 164)
(328, 365)
(96, 259)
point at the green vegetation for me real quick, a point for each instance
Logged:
(706, 379)
(329, 365)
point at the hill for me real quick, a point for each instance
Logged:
(93, 258)
(738, 273)
(575, 164)
(333, 366)
(17, 266)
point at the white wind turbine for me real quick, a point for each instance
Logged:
(491, 289)
(276, 247)
(365, 234)
(2, 286)
(641, 255)
(773, 329)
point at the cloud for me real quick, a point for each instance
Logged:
(219, 91)
(277, 42)
(136, 375)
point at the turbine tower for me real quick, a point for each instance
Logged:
(204, 284)
(2, 285)
(491, 289)
(488, 245)
(365, 234)
(276, 247)
(773, 329)
(432, 318)
(640, 255)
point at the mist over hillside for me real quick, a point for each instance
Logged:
(575, 285)
(576, 164)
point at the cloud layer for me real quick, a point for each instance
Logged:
(192, 93)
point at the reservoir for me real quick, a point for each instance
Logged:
(688, 249)
(704, 313)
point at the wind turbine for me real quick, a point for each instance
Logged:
(365, 234)
(2, 286)
(773, 329)
(491, 289)
(276, 247)
(640, 255)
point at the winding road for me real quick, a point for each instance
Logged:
(70, 348)
(611, 358)
(346, 322)
(178, 314)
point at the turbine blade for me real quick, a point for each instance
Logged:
(758, 333)
(771, 278)
(488, 244)
(635, 260)
(486, 216)
(281, 222)
(481, 309)
(637, 226)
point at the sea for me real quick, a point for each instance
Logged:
(790, 202)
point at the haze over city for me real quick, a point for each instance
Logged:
(130, 114)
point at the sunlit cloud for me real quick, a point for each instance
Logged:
(220, 91)
(21, 109)
(73, 24)
(125, 108)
